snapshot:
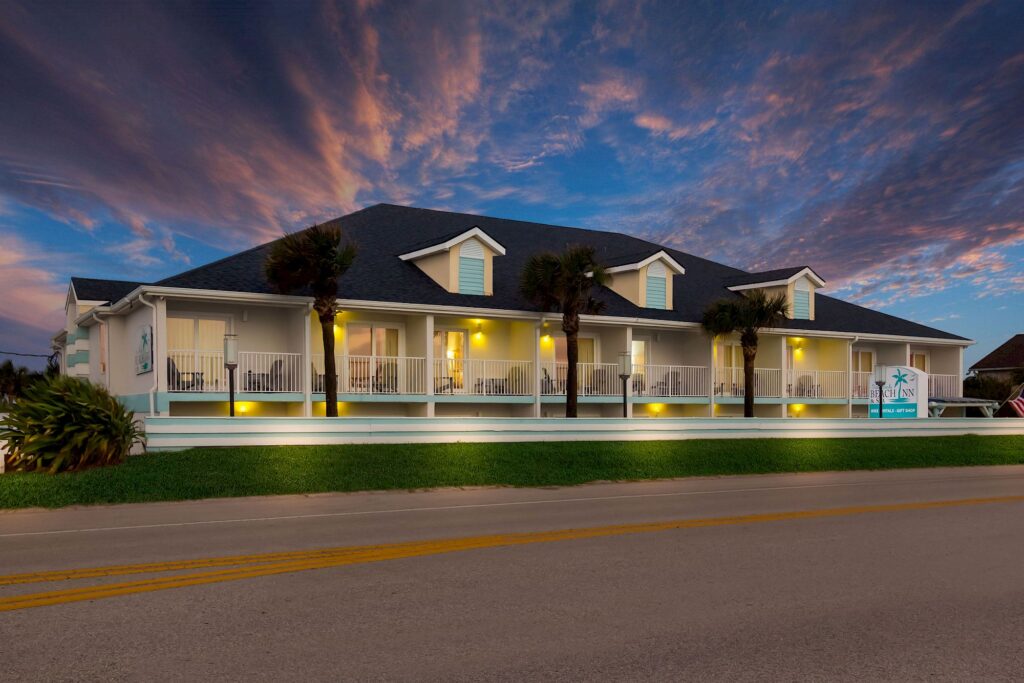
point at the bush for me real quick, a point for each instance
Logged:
(65, 424)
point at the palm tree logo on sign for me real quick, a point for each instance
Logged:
(902, 396)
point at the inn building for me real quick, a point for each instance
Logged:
(432, 323)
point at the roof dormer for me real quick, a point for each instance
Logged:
(463, 264)
(798, 284)
(646, 282)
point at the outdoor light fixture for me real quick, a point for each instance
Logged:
(231, 362)
(625, 371)
(880, 372)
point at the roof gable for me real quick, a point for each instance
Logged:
(474, 232)
(1008, 355)
(771, 278)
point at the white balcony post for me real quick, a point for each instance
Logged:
(629, 383)
(429, 378)
(307, 362)
(536, 368)
(711, 376)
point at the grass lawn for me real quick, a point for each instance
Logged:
(250, 471)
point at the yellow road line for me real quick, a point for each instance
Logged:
(279, 563)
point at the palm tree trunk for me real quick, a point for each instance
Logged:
(749, 353)
(330, 367)
(572, 352)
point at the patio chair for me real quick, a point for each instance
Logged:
(182, 381)
(386, 380)
(670, 385)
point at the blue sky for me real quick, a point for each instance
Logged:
(882, 143)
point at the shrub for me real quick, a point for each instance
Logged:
(64, 424)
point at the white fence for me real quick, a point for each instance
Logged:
(173, 433)
(374, 374)
(592, 379)
(483, 377)
(767, 382)
(945, 386)
(191, 370)
(669, 380)
(816, 384)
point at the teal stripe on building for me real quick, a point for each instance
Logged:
(471, 275)
(78, 357)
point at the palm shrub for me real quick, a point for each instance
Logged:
(65, 424)
(563, 283)
(315, 259)
(746, 314)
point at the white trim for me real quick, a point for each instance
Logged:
(465, 311)
(475, 231)
(658, 256)
(805, 272)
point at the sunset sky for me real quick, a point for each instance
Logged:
(881, 143)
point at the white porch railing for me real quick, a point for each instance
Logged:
(592, 379)
(862, 383)
(816, 384)
(945, 386)
(374, 374)
(767, 382)
(192, 370)
(669, 380)
(260, 372)
(477, 377)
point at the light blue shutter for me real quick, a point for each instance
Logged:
(471, 268)
(655, 292)
(801, 305)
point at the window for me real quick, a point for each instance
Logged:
(863, 361)
(373, 340)
(656, 280)
(802, 300)
(471, 268)
(919, 361)
(196, 334)
(585, 346)
(731, 356)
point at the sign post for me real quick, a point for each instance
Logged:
(900, 392)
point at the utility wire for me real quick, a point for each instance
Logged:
(25, 355)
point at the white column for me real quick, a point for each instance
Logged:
(960, 374)
(307, 362)
(160, 351)
(711, 376)
(629, 382)
(536, 369)
(428, 326)
(783, 377)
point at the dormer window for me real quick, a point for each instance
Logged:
(471, 267)
(463, 264)
(647, 282)
(656, 278)
(796, 284)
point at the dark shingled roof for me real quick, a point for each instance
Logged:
(764, 276)
(107, 291)
(1009, 355)
(384, 231)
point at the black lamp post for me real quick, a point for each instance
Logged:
(880, 373)
(625, 372)
(231, 362)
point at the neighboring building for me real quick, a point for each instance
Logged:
(432, 323)
(1004, 362)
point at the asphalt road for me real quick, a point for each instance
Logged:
(725, 578)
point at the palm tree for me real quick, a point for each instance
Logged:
(746, 314)
(314, 259)
(562, 283)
